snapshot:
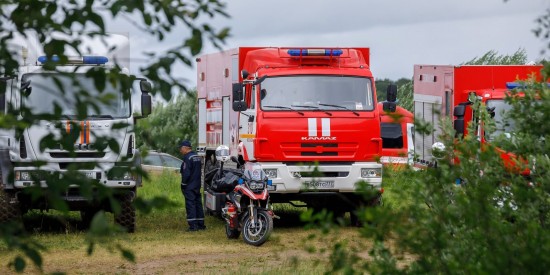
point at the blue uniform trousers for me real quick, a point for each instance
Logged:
(193, 207)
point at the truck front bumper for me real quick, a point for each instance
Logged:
(322, 178)
(27, 176)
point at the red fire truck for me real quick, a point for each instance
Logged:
(397, 128)
(446, 91)
(308, 116)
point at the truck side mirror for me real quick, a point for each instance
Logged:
(458, 124)
(146, 101)
(146, 105)
(389, 106)
(391, 93)
(238, 98)
(237, 91)
(239, 106)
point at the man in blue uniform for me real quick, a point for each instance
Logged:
(191, 186)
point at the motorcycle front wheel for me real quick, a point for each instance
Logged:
(257, 233)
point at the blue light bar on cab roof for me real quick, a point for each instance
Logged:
(315, 52)
(90, 59)
(515, 85)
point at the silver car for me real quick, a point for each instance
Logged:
(158, 162)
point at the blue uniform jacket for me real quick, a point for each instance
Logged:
(191, 170)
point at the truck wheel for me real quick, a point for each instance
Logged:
(354, 219)
(8, 211)
(127, 216)
(87, 216)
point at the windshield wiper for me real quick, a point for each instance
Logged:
(341, 107)
(283, 107)
(101, 116)
(68, 117)
(312, 107)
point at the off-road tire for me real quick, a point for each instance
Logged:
(232, 233)
(8, 211)
(127, 216)
(267, 227)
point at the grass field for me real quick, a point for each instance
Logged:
(162, 246)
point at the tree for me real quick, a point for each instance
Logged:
(493, 58)
(471, 216)
(169, 124)
(60, 26)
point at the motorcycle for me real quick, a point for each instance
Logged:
(241, 197)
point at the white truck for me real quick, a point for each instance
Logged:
(33, 167)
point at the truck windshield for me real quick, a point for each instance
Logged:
(46, 91)
(309, 92)
(504, 125)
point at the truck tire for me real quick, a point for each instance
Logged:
(87, 216)
(354, 219)
(127, 216)
(8, 211)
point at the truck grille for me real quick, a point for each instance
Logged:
(295, 149)
(316, 145)
(77, 155)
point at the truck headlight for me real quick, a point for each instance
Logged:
(22, 175)
(271, 173)
(122, 176)
(371, 172)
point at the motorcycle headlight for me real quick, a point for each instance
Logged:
(256, 185)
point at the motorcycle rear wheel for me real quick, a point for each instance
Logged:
(258, 233)
(231, 233)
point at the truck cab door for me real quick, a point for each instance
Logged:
(247, 127)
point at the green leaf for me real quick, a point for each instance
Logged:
(19, 264)
(128, 255)
(195, 42)
(147, 19)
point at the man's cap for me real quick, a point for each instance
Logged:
(185, 143)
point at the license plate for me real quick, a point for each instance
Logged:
(90, 175)
(271, 187)
(323, 184)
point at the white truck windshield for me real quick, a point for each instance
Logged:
(309, 92)
(48, 88)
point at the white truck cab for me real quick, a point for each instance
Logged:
(73, 120)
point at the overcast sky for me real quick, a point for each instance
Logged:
(400, 33)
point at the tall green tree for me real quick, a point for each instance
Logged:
(77, 20)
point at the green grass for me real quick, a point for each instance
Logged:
(162, 246)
